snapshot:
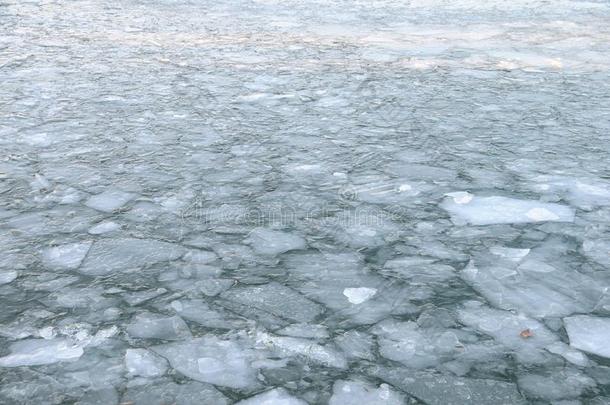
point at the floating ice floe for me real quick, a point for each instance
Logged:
(269, 242)
(144, 363)
(276, 396)
(358, 295)
(597, 250)
(526, 337)
(7, 276)
(589, 333)
(555, 384)
(445, 389)
(104, 227)
(65, 257)
(582, 192)
(109, 200)
(417, 348)
(467, 208)
(212, 360)
(325, 355)
(359, 392)
(163, 391)
(276, 299)
(110, 255)
(155, 326)
(537, 282)
(36, 352)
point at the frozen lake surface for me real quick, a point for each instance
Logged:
(305, 202)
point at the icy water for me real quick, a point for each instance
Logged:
(305, 202)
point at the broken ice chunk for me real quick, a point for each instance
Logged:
(7, 276)
(163, 392)
(142, 362)
(503, 210)
(65, 257)
(438, 389)
(104, 227)
(413, 346)
(358, 392)
(325, 355)
(356, 345)
(276, 299)
(199, 311)
(109, 200)
(538, 283)
(276, 396)
(589, 333)
(269, 242)
(511, 254)
(305, 330)
(461, 197)
(36, 352)
(359, 295)
(209, 359)
(154, 326)
(144, 211)
(598, 251)
(508, 329)
(109, 255)
(555, 384)
(200, 256)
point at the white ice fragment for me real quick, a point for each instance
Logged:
(511, 254)
(40, 183)
(269, 242)
(48, 332)
(110, 255)
(359, 295)
(305, 330)
(65, 257)
(589, 333)
(461, 197)
(504, 210)
(507, 328)
(572, 355)
(276, 299)
(283, 346)
(541, 214)
(154, 326)
(358, 392)
(200, 256)
(36, 352)
(211, 360)
(104, 227)
(109, 200)
(276, 396)
(142, 362)
(597, 250)
(7, 276)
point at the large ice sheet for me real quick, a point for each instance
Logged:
(467, 208)
(277, 300)
(537, 282)
(111, 255)
(65, 257)
(589, 333)
(212, 360)
(36, 352)
(271, 242)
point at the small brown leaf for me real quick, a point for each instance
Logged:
(526, 333)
